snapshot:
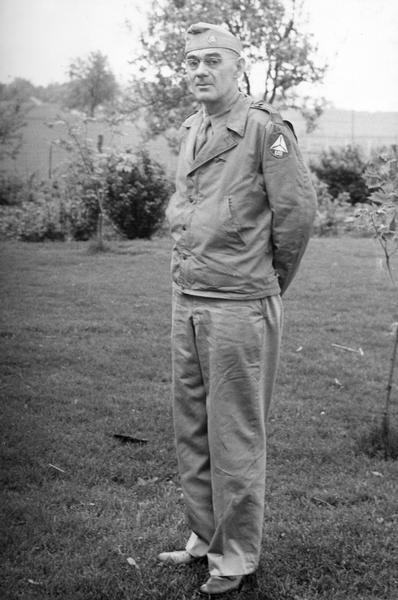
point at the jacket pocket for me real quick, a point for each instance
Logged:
(230, 222)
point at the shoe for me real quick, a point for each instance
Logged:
(177, 557)
(221, 585)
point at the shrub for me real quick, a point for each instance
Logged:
(81, 206)
(14, 189)
(342, 170)
(334, 216)
(43, 220)
(38, 216)
(135, 193)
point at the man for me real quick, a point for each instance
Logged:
(240, 218)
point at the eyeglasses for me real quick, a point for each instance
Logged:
(211, 62)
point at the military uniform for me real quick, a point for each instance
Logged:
(240, 218)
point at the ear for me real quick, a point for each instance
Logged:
(240, 67)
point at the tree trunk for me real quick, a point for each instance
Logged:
(386, 415)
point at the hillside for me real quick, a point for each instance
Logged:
(41, 155)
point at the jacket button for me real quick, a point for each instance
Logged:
(184, 227)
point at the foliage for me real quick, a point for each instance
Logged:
(333, 216)
(342, 169)
(381, 214)
(381, 218)
(42, 220)
(82, 180)
(85, 179)
(95, 183)
(39, 216)
(19, 90)
(270, 34)
(136, 192)
(81, 203)
(12, 120)
(92, 83)
(53, 212)
(15, 189)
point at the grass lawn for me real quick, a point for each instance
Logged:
(85, 355)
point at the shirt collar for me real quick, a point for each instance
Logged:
(236, 120)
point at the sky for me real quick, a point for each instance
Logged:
(357, 38)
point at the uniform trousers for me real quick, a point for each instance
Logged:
(225, 355)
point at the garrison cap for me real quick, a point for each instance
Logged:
(205, 35)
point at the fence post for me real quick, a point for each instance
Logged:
(50, 161)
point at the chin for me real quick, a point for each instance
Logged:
(204, 96)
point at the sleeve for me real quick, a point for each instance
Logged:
(291, 196)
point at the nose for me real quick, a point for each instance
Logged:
(202, 68)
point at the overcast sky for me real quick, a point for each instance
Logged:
(358, 38)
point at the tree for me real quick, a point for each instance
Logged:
(19, 90)
(380, 217)
(92, 83)
(270, 34)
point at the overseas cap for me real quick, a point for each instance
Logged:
(205, 35)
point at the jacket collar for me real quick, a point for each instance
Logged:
(236, 124)
(236, 120)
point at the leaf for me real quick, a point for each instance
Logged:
(128, 439)
(132, 562)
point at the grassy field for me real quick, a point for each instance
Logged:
(85, 355)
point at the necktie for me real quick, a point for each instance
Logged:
(203, 134)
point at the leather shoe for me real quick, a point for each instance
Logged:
(221, 585)
(176, 557)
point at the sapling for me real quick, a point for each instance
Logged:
(380, 217)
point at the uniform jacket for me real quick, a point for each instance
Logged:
(243, 209)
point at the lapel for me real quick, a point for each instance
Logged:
(192, 124)
(220, 142)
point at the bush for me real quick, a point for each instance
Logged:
(131, 188)
(40, 216)
(14, 189)
(135, 193)
(342, 170)
(52, 211)
(43, 220)
(334, 216)
(81, 207)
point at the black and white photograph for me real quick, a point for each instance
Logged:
(199, 299)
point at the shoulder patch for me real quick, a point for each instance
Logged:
(278, 148)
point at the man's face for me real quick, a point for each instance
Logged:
(212, 74)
